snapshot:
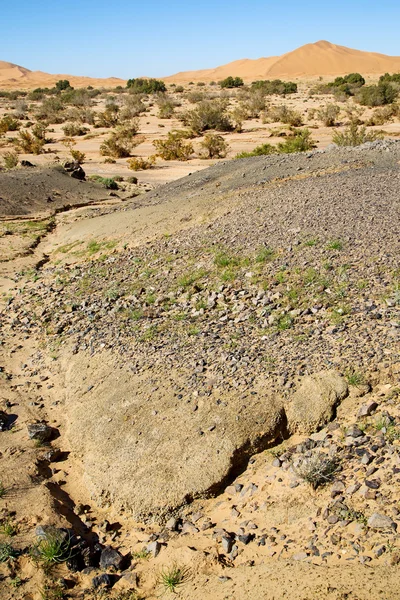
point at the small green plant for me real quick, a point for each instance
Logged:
(354, 377)
(7, 553)
(8, 527)
(52, 549)
(141, 554)
(141, 164)
(53, 591)
(213, 146)
(174, 147)
(335, 245)
(264, 254)
(317, 470)
(355, 135)
(170, 578)
(284, 322)
(16, 582)
(328, 114)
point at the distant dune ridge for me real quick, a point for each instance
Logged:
(312, 60)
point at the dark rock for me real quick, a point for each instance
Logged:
(367, 409)
(154, 548)
(227, 544)
(26, 163)
(245, 538)
(102, 581)
(78, 174)
(41, 432)
(373, 484)
(111, 558)
(3, 421)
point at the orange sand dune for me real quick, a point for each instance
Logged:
(309, 61)
(13, 76)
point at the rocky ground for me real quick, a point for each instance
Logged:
(219, 397)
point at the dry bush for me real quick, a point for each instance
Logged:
(72, 129)
(29, 143)
(141, 164)
(122, 141)
(283, 114)
(209, 114)
(133, 106)
(10, 159)
(109, 117)
(383, 115)
(328, 114)
(8, 123)
(51, 111)
(166, 106)
(77, 156)
(213, 146)
(253, 103)
(174, 147)
(354, 135)
(318, 469)
(20, 109)
(196, 96)
(81, 115)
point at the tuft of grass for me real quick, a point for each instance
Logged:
(170, 578)
(354, 377)
(52, 549)
(317, 470)
(335, 245)
(141, 554)
(3, 490)
(264, 254)
(285, 322)
(7, 553)
(8, 527)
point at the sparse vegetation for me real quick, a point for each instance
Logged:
(317, 470)
(213, 146)
(170, 578)
(354, 135)
(175, 146)
(141, 164)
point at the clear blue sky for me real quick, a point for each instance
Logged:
(129, 38)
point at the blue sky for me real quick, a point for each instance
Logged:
(129, 38)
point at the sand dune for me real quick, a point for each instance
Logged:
(14, 76)
(311, 60)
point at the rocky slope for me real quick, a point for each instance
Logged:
(225, 397)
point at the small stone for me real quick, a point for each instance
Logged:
(337, 488)
(354, 432)
(352, 489)
(367, 409)
(300, 556)
(246, 538)
(154, 548)
(373, 484)
(378, 521)
(172, 524)
(227, 544)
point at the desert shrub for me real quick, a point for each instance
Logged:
(76, 97)
(122, 141)
(81, 114)
(196, 96)
(145, 86)
(318, 469)
(179, 89)
(328, 114)
(253, 103)
(72, 129)
(109, 117)
(166, 106)
(262, 150)
(108, 182)
(231, 82)
(39, 130)
(353, 79)
(51, 111)
(386, 78)
(10, 160)
(354, 135)
(76, 155)
(141, 164)
(175, 146)
(213, 146)
(283, 114)
(383, 115)
(377, 95)
(276, 86)
(62, 84)
(299, 141)
(8, 123)
(32, 143)
(20, 109)
(133, 106)
(209, 114)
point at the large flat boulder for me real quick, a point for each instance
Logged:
(313, 404)
(148, 446)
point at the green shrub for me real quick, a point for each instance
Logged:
(108, 182)
(63, 84)
(121, 142)
(300, 141)
(145, 86)
(166, 106)
(377, 95)
(51, 111)
(231, 82)
(109, 117)
(386, 78)
(383, 115)
(328, 114)
(262, 150)
(174, 147)
(209, 114)
(275, 86)
(354, 135)
(29, 143)
(213, 146)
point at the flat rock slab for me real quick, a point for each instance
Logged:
(313, 404)
(146, 450)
